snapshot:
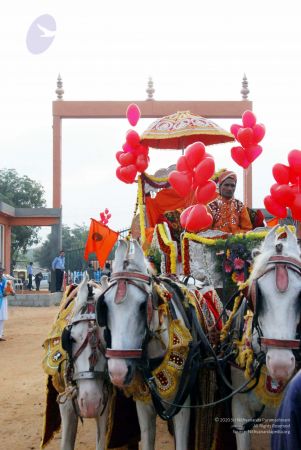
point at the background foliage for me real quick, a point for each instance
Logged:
(21, 192)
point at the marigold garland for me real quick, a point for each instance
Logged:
(141, 210)
(168, 247)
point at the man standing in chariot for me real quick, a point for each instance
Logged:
(229, 214)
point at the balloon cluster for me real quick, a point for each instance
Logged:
(194, 169)
(286, 192)
(134, 156)
(248, 135)
(105, 216)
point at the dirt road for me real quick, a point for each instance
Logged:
(22, 381)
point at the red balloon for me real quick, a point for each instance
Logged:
(118, 155)
(181, 182)
(204, 170)
(296, 207)
(245, 136)
(206, 193)
(235, 128)
(142, 150)
(274, 208)
(194, 154)
(239, 156)
(282, 194)
(293, 178)
(196, 218)
(133, 114)
(109, 216)
(258, 133)
(102, 216)
(106, 210)
(182, 164)
(133, 138)
(127, 174)
(127, 148)
(253, 152)
(248, 119)
(141, 163)
(281, 173)
(126, 159)
(294, 160)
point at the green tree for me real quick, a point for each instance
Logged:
(73, 243)
(21, 192)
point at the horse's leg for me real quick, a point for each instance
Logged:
(101, 423)
(241, 412)
(147, 421)
(69, 425)
(181, 427)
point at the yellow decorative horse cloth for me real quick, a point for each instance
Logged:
(168, 374)
(53, 364)
(55, 355)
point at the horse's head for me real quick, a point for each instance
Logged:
(82, 341)
(126, 305)
(275, 287)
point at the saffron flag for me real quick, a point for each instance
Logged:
(101, 240)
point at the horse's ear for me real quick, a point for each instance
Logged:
(104, 282)
(83, 289)
(269, 239)
(138, 250)
(290, 237)
(121, 249)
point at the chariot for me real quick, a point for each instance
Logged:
(210, 257)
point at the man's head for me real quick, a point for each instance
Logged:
(62, 253)
(227, 184)
(31, 263)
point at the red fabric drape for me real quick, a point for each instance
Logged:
(165, 200)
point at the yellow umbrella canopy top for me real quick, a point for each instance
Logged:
(178, 130)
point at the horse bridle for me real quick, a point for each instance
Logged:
(121, 280)
(280, 264)
(92, 338)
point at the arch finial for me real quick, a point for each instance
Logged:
(150, 89)
(245, 88)
(59, 90)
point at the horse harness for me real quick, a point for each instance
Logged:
(280, 265)
(122, 280)
(92, 338)
(146, 365)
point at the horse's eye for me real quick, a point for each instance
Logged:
(142, 307)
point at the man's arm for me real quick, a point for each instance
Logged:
(245, 221)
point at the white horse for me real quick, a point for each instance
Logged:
(138, 333)
(88, 394)
(274, 294)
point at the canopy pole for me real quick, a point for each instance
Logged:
(248, 186)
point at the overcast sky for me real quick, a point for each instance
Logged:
(107, 50)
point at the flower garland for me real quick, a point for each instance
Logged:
(141, 210)
(168, 247)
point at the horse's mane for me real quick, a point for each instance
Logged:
(268, 248)
(82, 295)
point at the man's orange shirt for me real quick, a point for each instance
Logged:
(229, 215)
